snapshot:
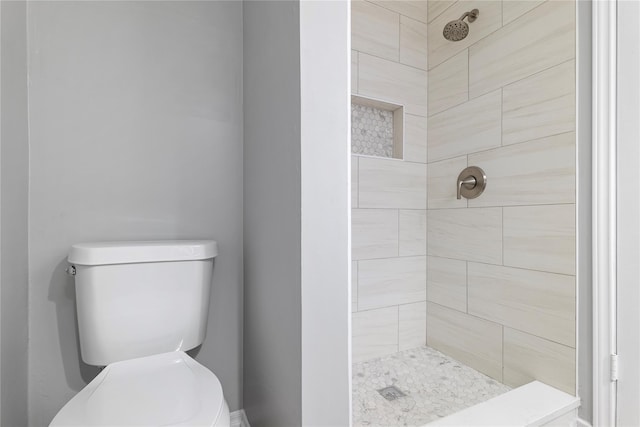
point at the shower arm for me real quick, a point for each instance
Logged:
(473, 14)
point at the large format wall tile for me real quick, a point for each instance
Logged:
(413, 232)
(354, 181)
(447, 282)
(436, 7)
(466, 234)
(415, 139)
(417, 9)
(374, 30)
(392, 281)
(512, 9)
(489, 20)
(441, 183)
(541, 238)
(393, 82)
(354, 286)
(449, 83)
(540, 105)
(528, 358)
(354, 71)
(473, 341)
(392, 184)
(413, 42)
(466, 128)
(374, 233)
(535, 172)
(537, 40)
(375, 333)
(536, 302)
(413, 325)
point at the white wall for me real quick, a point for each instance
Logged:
(325, 160)
(135, 133)
(13, 204)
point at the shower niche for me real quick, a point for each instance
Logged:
(376, 128)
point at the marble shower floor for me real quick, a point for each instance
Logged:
(435, 386)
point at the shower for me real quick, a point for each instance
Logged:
(457, 30)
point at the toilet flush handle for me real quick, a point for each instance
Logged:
(71, 270)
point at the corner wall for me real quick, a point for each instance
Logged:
(135, 133)
(389, 196)
(501, 268)
(296, 169)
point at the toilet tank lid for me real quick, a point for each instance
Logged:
(103, 253)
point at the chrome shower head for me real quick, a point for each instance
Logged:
(457, 30)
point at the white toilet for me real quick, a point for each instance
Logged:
(141, 305)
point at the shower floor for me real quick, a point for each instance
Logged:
(434, 385)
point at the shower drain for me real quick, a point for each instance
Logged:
(391, 393)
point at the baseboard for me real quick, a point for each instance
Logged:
(582, 423)
(239, 419)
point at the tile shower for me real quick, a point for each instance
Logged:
(488, 283)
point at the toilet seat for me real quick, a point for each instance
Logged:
(169, 389)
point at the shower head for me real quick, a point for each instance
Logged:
(457, 30)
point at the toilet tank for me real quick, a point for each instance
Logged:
(137, 299)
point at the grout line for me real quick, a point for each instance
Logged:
(502, 361)
(468, 75)
(358, 190)
(395, 257)
(357, 287)
(392, 61)
(398, 336)
(399, 38)
(395, 11)
(501, 147)
(448, 109)
(528, 76)
(440, 14)
(407, 209)
(503, 206)
(501, 116)
(393, 159)
(502, 232)
(466, 268)
(398, 232)
(498, 265)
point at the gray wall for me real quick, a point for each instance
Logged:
(14, 172)
(135, 133)
(272, 222)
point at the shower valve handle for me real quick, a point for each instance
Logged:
(469, 182)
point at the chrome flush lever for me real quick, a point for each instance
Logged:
(471, 183)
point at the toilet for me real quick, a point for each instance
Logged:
(140, 306)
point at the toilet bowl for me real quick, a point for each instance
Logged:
(169, 389)
(140, 306)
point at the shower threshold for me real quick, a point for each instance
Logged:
(431, 386)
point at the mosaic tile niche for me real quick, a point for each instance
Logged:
(376, 128)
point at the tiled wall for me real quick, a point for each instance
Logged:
(501, 268)
(389, 196)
